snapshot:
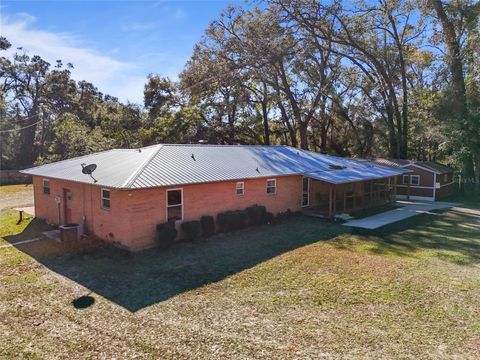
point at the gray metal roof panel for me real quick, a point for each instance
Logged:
(114, 167)
(344, 176)
(169, 165)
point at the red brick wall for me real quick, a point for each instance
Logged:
(209, 199)
(85, 208)
(134, 214)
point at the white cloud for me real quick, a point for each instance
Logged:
(118, 78)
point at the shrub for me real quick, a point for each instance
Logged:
(166, 233)
(284, 215)
(208, 225)
(232, 220)
(192, 229)
(223, 221)
(257, 214)
(270, 218)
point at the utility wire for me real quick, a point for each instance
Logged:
(23, 118)
(25, 127)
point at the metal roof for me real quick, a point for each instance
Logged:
(426, 165)
(351, 175)
(114, 167)
(169, 164)
(436, 167)
(393, 162)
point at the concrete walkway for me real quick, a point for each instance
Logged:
(21, 242)
(407, 209)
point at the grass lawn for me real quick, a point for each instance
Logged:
(304, 288)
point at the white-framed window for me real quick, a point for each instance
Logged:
(271, 186)
(105, 194)
(174, 204)
(46, 186)
(240, 188)
(415, 179)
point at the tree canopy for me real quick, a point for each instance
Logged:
(399, 79)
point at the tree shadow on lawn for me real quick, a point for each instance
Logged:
(137, 280)
(453, 235)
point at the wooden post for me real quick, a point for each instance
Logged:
(390, 190)
(344, 199)
(385, 190)
(395, 181)
(408, 186)
(371, 195)
(334, 200)
(354, 196)
(363, 197)
(330, 201)
(20, 216)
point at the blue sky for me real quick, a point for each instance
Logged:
(114, 44)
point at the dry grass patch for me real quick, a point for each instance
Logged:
(16, 196)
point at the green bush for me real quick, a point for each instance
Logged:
(232, 220)
(166, 233)
(192, 229)
(257, 214)
(284, 215)
(208, 225)
(270, 218)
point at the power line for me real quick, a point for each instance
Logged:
(25, 127)
(12, 116)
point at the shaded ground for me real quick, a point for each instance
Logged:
(305, 288)
(15, 196)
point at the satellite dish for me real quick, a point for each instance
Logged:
(88, 169)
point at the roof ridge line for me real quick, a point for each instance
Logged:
(131, 179)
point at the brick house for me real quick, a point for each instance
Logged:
(133, 190)
(427, 180)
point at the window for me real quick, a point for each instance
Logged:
(174, 205)
(305, 191)
(445, 178)
(105, 199)
(415, 180)
(46, 186)
(271, 186)
(240, 188)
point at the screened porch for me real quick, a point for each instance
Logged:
(329, 199)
